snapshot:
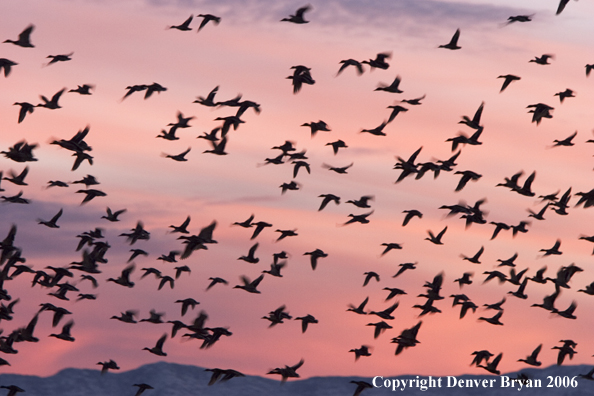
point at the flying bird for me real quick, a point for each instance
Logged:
(7, 65)
(453, 44)
(52, 223)
(542, 60)
(436, 239)
(380, 61)
(59, 58)
(185, 26)
(509, 78)
(208, 18)
(298, 17)
(24, 39)
(350, 62)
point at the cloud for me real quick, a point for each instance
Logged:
(394, 15)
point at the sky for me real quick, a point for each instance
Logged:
(116, 44)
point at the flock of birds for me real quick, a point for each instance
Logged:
(63, 282)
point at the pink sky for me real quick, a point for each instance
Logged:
(117, 44)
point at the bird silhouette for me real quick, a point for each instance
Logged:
(568, 93)
(24, 39)
(492, 365)
(565, 350)
(404, 267)
(7, 65)
(380, 61)
(565, 142)
(362, 202)
(306, 321)
(475, 259)
(84, 89)
(350, 62)
(543, 59)
(209, 100)
(52, 103)
(301, 75)
(52, 223)
(386, 313)
(250, 258)
(361, 386)
(223, 375)
(141, 388)
(315, 127)
(298, 17)
(314, 256)
(250, 286)
(19, 179)
(185, 26)
(216, 280)
(453, 44)
(392, 88)
(359, 309)
(436, 239)
(509, 78)
(124, 278)
(260, 225)
(158, 348)
(554, 250)
(12, 389)
(379, 328)
(362, 218)
(59, 58)
(363, 351)
(519, 18)
(414, 102)
(474, 123)
(26, 108)
(110, 365)
(154, 87)
(182, 228)
(407, 338)
(65, 333)
(370, 275)
(494, 320)
(208, 18)
(496, 306)
(377, 131)
(327, 199)
(287, 371)
(390, 246)
(181, 157)
(465, 279)
(337, 145)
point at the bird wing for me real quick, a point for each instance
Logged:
(26, 34)
(257, 281)
(301, 11)
(56, 217)
(455, 37)
(535, 353)
(161, 341)
(442, 232)
(57, 95)
(477, 116)
(252, 250)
